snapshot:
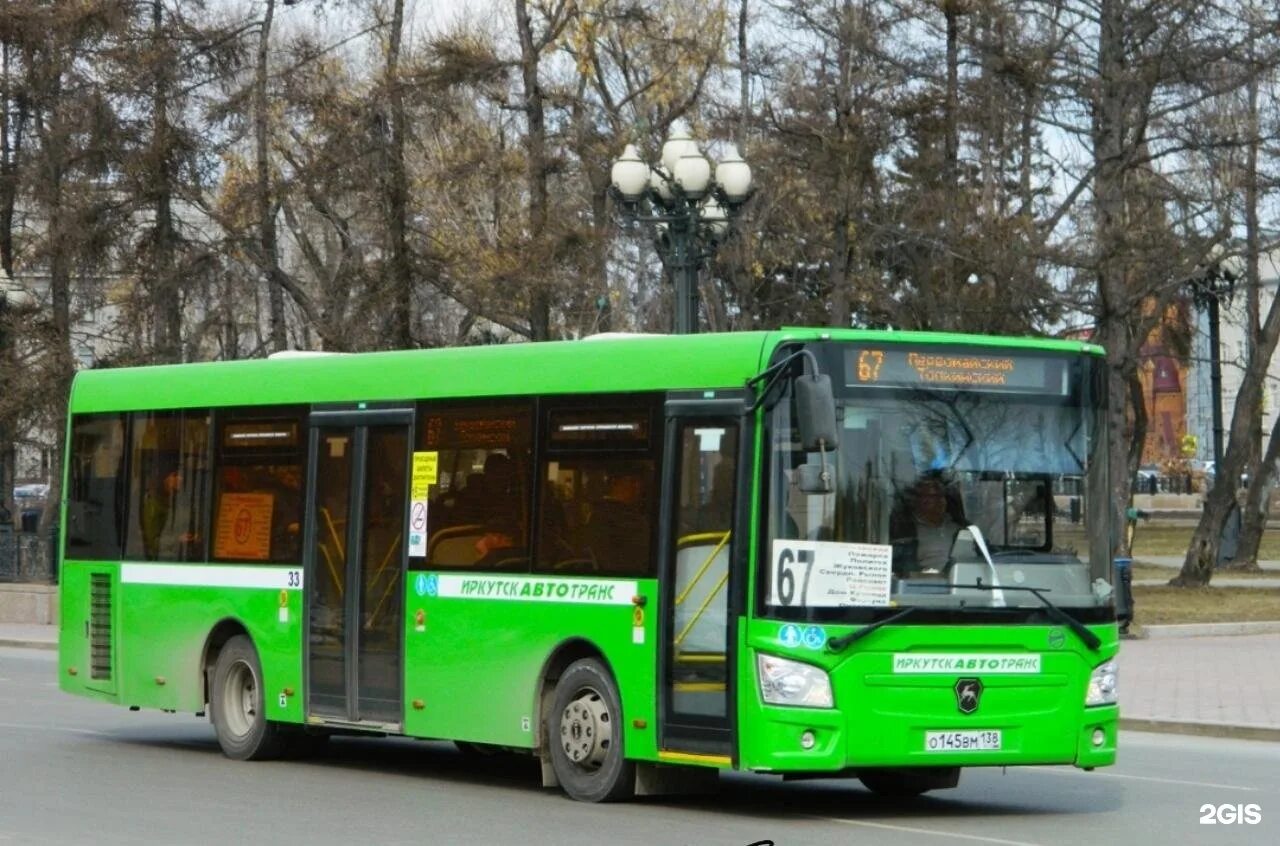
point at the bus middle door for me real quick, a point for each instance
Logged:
(355, 558)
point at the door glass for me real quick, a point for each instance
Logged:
(697, 671)
(334, 461)
(381, 557)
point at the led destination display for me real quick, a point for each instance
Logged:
(905, 367)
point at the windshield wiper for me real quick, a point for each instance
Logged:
(840, 644)
(1090, 639)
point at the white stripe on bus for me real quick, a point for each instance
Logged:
(205, 575)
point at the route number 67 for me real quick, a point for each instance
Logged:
(785, 574)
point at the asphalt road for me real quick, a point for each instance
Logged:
(74, 771)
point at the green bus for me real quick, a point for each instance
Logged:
(642, 559)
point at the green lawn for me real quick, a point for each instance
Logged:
(1151, 571)
(1174, 540)
(1154, 606)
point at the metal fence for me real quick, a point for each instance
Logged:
(1179, 483)
(29, 557)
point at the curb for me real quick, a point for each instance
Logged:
(1211, 629)
(1202, 729)
(28, 644)
(1255, 582)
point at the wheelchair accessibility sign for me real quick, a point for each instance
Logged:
(810, 637)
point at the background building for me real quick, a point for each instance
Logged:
(1233, 350)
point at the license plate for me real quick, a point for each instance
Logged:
(961, 741)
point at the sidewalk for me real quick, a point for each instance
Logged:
(1225, 686)
(1220, 686)
(29, 636)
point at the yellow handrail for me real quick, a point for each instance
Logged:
(328, 560)
(386, 559)
(724, 539)
(705, 603)
(333, 532)
(390, 585)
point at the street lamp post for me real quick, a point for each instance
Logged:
(1209, 291)
(690, 210)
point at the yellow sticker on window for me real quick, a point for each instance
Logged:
(426, 468)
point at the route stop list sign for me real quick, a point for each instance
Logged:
(244, 526)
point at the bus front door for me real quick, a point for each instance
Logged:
(357, 513)
(697, 658)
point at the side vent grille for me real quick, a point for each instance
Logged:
(100, 626)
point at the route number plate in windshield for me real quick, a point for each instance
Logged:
(961, 741)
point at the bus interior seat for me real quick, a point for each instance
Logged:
(455, 546)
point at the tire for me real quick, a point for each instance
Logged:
(907, 783)
(584, 735)
(236, 705)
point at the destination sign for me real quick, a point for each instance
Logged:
(904, 367)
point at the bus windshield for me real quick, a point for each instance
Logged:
(943, 495)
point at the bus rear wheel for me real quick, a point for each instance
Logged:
(236, 705)
(584, 731)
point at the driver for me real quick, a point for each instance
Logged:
(922, 532)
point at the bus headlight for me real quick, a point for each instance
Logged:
(1102, 685)
(784, 682)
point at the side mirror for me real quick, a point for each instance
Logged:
(816, 413)
(815, 479)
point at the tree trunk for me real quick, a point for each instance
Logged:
(1257, 500)
(1197, 568)
(845, 177)
(400, 271)
(61, 357)
(951, 141)
(1110, 222)
(270, 260)
(744, 79)
(1257, 506)
(10, 144)
(536, 167)
(166, 293)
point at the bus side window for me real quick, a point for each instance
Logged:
(478, 512)
(95, 499)
(258, 487)
(599, 472)
(168, 484)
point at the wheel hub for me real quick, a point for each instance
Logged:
(586, 730)
(238, 700)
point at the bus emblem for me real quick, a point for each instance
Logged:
(968, 692)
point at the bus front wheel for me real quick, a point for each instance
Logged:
(584, 732)
(236, 705)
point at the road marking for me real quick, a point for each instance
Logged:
(935, 832)
(1096, 774)
(33, 727)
